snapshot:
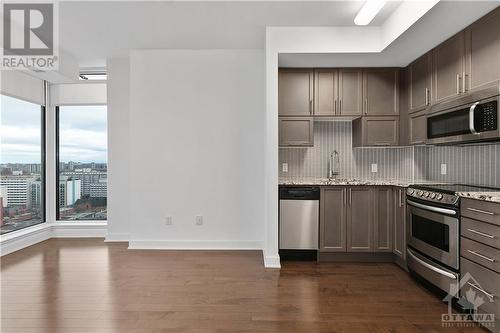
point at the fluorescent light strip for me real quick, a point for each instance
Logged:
(368, 12)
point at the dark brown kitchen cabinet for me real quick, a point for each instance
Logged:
(350, 92)
(296, 131)
(338, 92)
(383, 219)
(375, 131)
(359, 219)
(420, 82)
(333, 219)
(380, 91)
(482, 41)
(417, 128)
(399, 248)
(295, 92)
(449, 68)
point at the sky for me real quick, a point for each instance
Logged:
(82, 132)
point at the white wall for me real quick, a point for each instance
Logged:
(118, 150)
(197, 125)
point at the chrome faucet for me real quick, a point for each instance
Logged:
(333, 164)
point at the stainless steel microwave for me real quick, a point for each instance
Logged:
(474, 121)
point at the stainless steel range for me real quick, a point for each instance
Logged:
(433, 232)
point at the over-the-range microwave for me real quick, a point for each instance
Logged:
(471, 118)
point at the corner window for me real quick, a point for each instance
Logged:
(82, 178)
(22, 164)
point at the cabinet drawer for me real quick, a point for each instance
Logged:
(481, 210)
(482, 254)
(484, 283)
(486, 233)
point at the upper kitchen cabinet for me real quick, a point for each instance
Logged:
(325, 92)
(375, 131)
(296, 132)
(295, 92)
(483, 51)
(350, 92)
(449, 69)
(420, 81)
(381, 91)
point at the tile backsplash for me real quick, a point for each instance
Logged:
(476, 164)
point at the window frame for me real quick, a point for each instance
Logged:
(43, 163)
(57, 167)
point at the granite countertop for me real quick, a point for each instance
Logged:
(483, 196)
(345, 182)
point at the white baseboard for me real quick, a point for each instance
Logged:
(194, 245)
(23, 238)
(271, 261)
(117, 237)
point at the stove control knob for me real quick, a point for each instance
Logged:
(433, 195)
(439, 197)
(411, 191)
(426, 194)
(420, 193)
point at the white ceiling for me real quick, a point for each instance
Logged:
(93, 31)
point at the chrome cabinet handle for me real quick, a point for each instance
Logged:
(310, 106)
(458, 84)
(340, 106)
(426, 96)
(481, 256)
(480, 211)
(464, 82)
(491, 296)
(350, 196)
(481, 233)
(334, 106)
(344, 195)
(366, 105)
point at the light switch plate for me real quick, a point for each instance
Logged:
(199, 220)
(374, 167)
(443, 169)
(168, 220)
(284, 167)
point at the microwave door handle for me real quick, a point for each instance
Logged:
(471, 118)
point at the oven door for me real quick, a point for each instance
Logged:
(475, 122)
(434, 232)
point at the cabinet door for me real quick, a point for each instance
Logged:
(448, 62)
(325, 87)
(333, 220)
(381, 131)
(295, 92)
(380, 91)
(382, 226)
(399, 223)
(418, 128)
(360, 220)
(296, 131)
(483, 51)
(420, 83)
(350, 92)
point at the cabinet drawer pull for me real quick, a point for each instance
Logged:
(458, 84)
(334, 106)
(426, 96)
(481, 256)
(366, 105)
(310, 106)
(480, 211)
(340, 106)
(491, 296)
(481, 233)
(464, 82)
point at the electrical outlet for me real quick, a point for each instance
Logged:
(199, 220)
(443, 169)
(284, 167)
(168, 220)
(374, 167)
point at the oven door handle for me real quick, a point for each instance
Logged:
(432, 268)
(431, 208)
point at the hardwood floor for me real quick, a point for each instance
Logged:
(88, 286)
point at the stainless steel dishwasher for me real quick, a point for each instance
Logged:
(298, 218)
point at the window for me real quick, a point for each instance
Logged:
(22, 162)
(81, 162)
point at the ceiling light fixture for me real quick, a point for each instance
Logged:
(368, 12)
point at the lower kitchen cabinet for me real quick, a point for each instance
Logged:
(383, 219)
(399, 248)
(359, 219)
(333, 219)
(296, 132)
